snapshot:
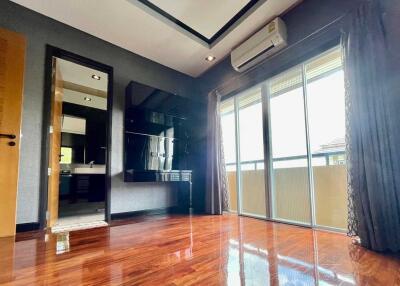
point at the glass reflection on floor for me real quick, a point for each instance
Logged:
(253, 264)
(250, 264)
(198, 250)
(62, 244)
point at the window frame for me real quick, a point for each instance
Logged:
(267, 144)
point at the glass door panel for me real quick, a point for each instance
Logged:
(289, 170)
(228, 126)
(306, 141)
(326, 121)
(250, 119)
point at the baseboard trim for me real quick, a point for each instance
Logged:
(150, 212)
(22, 227)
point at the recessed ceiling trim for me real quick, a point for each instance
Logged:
(209, 41)
(171, 18)
(140, 30)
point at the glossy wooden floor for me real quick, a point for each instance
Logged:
(199, 250)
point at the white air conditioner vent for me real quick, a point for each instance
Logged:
(261, 45)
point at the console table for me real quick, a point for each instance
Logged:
(182, 177)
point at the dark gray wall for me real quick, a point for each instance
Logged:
(311, 17)
(40, 31)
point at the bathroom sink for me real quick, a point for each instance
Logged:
(96, 169)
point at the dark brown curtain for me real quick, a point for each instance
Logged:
(373, 128)
(217, 199)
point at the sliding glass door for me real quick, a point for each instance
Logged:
(297, 118)
(307, 142)
(288, 144)
(327, 131)
(242, 135)
(251, 153)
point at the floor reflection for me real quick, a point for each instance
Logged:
(62, 244)
(198, 250)
(269, 260)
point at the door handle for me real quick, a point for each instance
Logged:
(9, 136)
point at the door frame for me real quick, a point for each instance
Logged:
(51, 52)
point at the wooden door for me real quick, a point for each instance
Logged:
(55, 146)
(12, 66)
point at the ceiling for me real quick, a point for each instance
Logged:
(205, 9)
(79, 86)
(179, 36)
(82, 75)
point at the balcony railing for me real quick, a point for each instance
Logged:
(290, 186)
(325, 155)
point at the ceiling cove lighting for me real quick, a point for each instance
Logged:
(95, 76)
(87, 98)
(210, 58)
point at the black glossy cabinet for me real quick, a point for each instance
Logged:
(157, 133)
(82, 186)
(157, 140)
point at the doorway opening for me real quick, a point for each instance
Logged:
(78, 173)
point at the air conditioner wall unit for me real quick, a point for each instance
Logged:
(260, 46)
